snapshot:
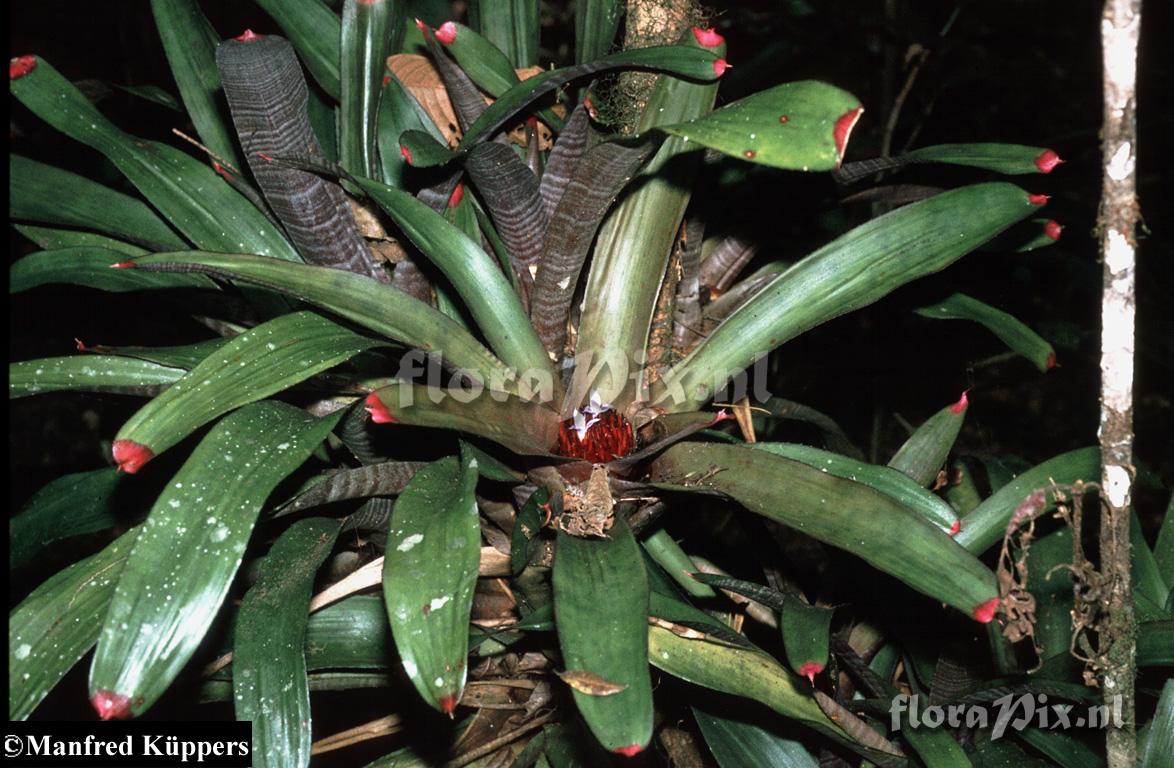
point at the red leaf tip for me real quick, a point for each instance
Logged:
(1051, 361)
(110, 705)
(247, 36)
(448, 704)
(122, 265)
(81, 345)
(457, 195)
(708, 38)
(810, 669)
(955, 527)
(1053, 229)
(1047, 161)
(1038, 199)
(720, 66)
(421, 25)
(378, 411)
(843, 130)
(19, 66)
(131, 456)
(985, 612)
(629, 751)
(446, 33)
(407, 153)
(962, 404)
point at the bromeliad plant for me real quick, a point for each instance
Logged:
(557, 273)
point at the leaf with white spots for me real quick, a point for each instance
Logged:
(429, 573)
(96, 373)
(190, 548)
(54, 626)
(269, 666)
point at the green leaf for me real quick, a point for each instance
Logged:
(481, 60)
(315, 32)
(897, 486)
(984, 526)
(1164, 546)
(398, 112)
(924, 454)
(35, 194)
(90, 266)
(839, 512)
(1011, 159)
(71, 505)
(601, 613)
(269, 667)
(196, 201)
(50, 239)
(183, 563)
(526, 527)
(186, 356)
(482, 286)
(429, 574)
(667, 553)
(1017, 336)
(54, 626)
(511, 25)
(738, 744)
(596, 23)
(1156, 746)
(190, 44)
(425, 149)
(806, 630)
(90, 373)
(1061, 748)
(352, 634)
(367, 31)
(851, 272)
(260, 362)
(373, 305)
(801, 126)
(153, 94)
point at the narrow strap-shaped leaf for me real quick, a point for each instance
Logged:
(398, 112)
(510, 192)
(1001, 158)
(668, 554)
(54, 626)
(194, 539)
(801, 126)
(381, 308)
(429, 574)
(596, 23)
(268, 95)
(722, 265)
(187, 192)
(90, 266)
(315, 31)
(592, 188)
(190, 44)
(52, 238)
(186, 356)
(840, 512)
(563, 158)
(853, 271)
(985, 525)
(467, 101)
(34, 194)
(106, 373)
(892, 483)
(383, 479)
(805, 630)
(738, 744)
(479, 282)
(1164, 546)
(690, 62)
(368, 27)
(922, 456)
(258, 363)
(1011, 331)
(523, 427)
(738, 294)
(833, 434)
(601, 612)
(71, 505)
(268, 664)
(511, 25)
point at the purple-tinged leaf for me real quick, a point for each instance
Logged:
(722, 265)
(384, 479)
(564, 157)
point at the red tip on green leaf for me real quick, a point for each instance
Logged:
(956, 527)
(1038, 199)
(1051, 361)
(20, 66)
(1053, 229)
(378, 411)
(448, 704)
(386, 80)
(590, 107)
(720, 66)
(446, 33)
(407, 153)
(629, 751)
(81, 345)
(1047, 161)
(248, 35)
(985, 612)
(962, 404)
(122, 265)
(110, 705)
(843, 129)
(708, 38)
(420, 25)
(810, 670)
(131, 456)
(457, 195)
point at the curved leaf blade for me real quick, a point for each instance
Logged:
(315, 31)
(1011, 331)
(90, 267)
(71, 505)
(1012, 159)
(51, 238)
(367, 31)
(738, 744)
(90, 373)
(923, 455)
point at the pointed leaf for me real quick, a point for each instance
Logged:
(368, 29)
(510, 192)
(802, 126)
(71, 505)
(464, 97)
(49, 239)
(429, 574)
(738, 744)
(258, 363)
(315, 31)
(924, 454)
(1000, 158)
(95, 373)
(1155, 747)
(269, 667)
(1010, 331)
(186, 356)
(668, 554)
(54, 626)
(839, 512)
(384, 479)
(526, 527)
(90, 266)
(596, 23)
(563, 158)
(725, 261)
(853, 271)
(805, 636)
(512, 26)
(188, 193)
(399, 112)
(183, 562)
(601, 612)
(1164, 546)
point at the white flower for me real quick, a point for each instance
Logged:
(596, 406)
(582, 424)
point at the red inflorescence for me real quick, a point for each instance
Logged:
(607, 439)
(110, 705)
(708, 38)
(1047, 161)
(1053, 229)
(843, 129)
(248, 35)
(446, 33)
(20, 66)
(131, 456)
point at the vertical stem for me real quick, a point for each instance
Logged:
(1120, 27)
